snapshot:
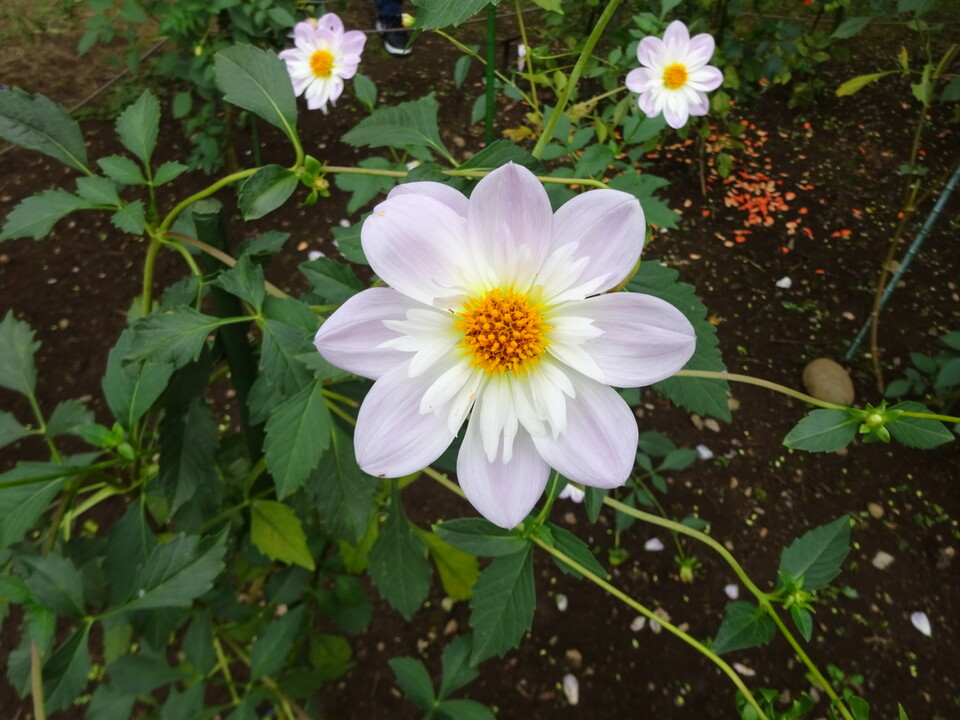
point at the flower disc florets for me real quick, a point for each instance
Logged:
(498, 313)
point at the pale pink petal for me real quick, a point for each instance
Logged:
(330, 22)
(599, 443)
(452, 198)
(676, 112)
(701, 50)
(676, 41)
(638, 80)
(417, 245)
(304, 34)
(648, 103)
(393, 438)
(649, 51)
(705, 79)
(504, 493)
(700, 106)
(645, 339)
(350, 338)
(510, 201)
(353, 42)
(609, 227)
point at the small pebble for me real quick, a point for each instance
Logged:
(562, 602)
(711, 424)
(785, 283)
(732, 591)
(697, 421)
(653, 545)
(451, 627)
(704, 453)
(875, 510)
(744, 670)
(921, 622)
(314, 255)
(574, 658)
(639, 622)
(882, 560)
(571, 688)
(344, 223)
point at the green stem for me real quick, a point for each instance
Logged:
(146, 297)
(188, 258)
(349, 402)
(574, 78)
(650, 615)
(42, 427)
(762, 598)
(551, 496)
(529, 74)
(224, 667)
(461, 173)
(206, 192)
(479, 58)
(491, 87)
(36, 683)
(224, 258)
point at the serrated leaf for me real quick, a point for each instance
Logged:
(245, 280)
(10, 429)
(458, 570)
(98, 191)
(577, 550)
(850, 27)
(499, 153)
(414, 680)
(409, 123)
(501, 609)
(277, 532)
(122, 169)
(343, 493)
(334, 282)
(37, 123)
(455, 663)
(109, 703)
(464, 709)
(478, 536)
(67, 416)
(55, 583)
(17, 348)
(131, 218)
(803, 620)
(168, 172)
(65, 673)
(176, 573)
(744, 626)
(273, 645)
(823, 431)
(131, 389)
(140, 675)
(298, 433)
(365, 90)
(257, 80)
(398, 563)
(266, 190)
(182, 705)
(176, 337)
(443, 13)
(188, 448)
(278, 356)
(21, 505)
(365, 187)
(198, 643)
(818, 554)
(35, 216)
(921, 433)
(139, 125)
(706, 396)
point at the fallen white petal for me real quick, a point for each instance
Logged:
(653, 545)
(921, 622)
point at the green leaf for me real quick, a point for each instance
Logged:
(168, 172)
(463, 709)
(460, 70)
(678, 460)
(198, 643)
(98, 191)
(823, 431)
(278, 533)
(17, 348)
(55, 583)
(278, 356)
(140, 674)
(188, 449)
(481, 537)
(65, 673)
(274, 643)
(744, 626)
(129, 544)
(858, 83)
(139, 125)
(443, 13)
(706, 396)
(21, 505)
(343, 493)
(10, 429)
(245, 280)
(365, 90)
(67, 416)
(331, 655)
(365, 187)
(921, 433)
(593, 502)
(132, 388)
(410, 123)
(499, 153)
(333, 281)
(501, 609)
(266, 190)
(177, 572)
(298, 432)
(850, 27)
(37, 123)
(131, 218)
(414, 680)
(818, 554)
(576, 549)
(35, 216)
(183, 705)
(455, 663)
(458, 570)
(176, 337)
(803, 620)
(109, 703)
(398, 563)
(257, 80)
(122, 169)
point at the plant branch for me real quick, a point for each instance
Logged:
(222, 257)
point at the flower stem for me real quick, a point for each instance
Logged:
(206, 192)
(460, 173)
(575, 74)
(763, 600)
(652, 616)
(222, 257)
(36, 683)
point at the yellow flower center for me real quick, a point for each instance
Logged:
(675, 76)
(503, 331)
(321, 62)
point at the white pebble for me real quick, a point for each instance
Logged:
(571, 688)
(785, 283)
(704, 453)
(653, 545)
(562, 602)
(314, 255)
(882, 560)
(732, 591)
(921, 622)
(744, 670)
(639, 622)
(344, 222)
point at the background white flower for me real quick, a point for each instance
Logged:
(675, 78)
(323, 58)
(495, 313)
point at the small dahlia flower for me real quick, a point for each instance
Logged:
(675, 78)
(495, 315)
(323, 58)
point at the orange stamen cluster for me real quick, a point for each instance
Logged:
(675, 76)
(321, 63)
(503, 331)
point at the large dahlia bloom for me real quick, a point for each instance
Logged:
(675, 78)
(494, 315)
(323, 58)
